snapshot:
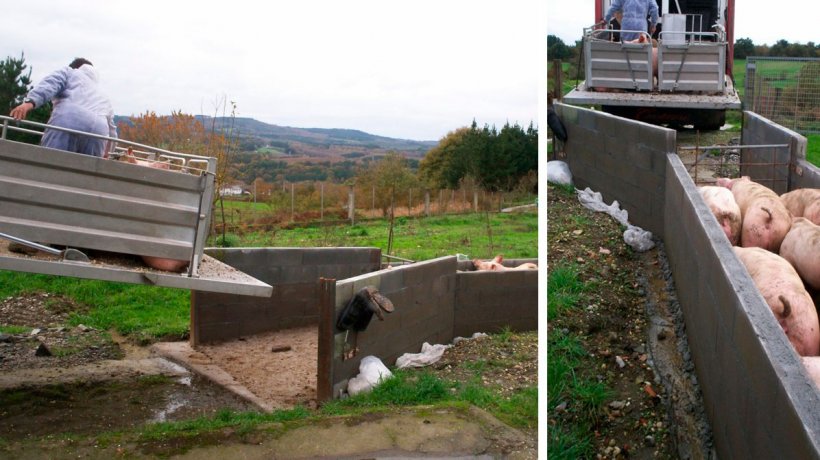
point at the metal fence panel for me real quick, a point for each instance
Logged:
(785, 90)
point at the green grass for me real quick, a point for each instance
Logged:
(11, 329)
(564, 289)
(144, 312)
(813, 149)
(513, 234)
(414, 388)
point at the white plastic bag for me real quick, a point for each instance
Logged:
(429, 355)
(558, 172)
(636, 237)
(371, 372)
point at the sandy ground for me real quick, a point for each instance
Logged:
(282, 378)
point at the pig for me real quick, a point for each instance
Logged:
(168, 265)
(801, 248)
(803, 202)
(129, 157)
(495, 265)
(159, 263)
(781, 287)
(765, 219)
(722, 203)
(812, 364)
(643, 38)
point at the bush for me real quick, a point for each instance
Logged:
(228, 240)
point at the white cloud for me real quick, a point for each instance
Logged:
(403, 69)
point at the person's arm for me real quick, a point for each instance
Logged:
(653, 16)
(44, 91)
(49, 87)
(617, 5)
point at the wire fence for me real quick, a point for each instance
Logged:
(785, 90)
(266, 207)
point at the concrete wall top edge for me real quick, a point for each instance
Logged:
(788, 132)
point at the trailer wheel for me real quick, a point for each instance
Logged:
(710, 120)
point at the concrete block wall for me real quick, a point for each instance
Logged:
(488, 301)
(293, 273)
(434, 302)
(790, 169)
(758, 397)
(423, 295)
(624, 160)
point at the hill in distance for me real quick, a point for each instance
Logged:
(310, 143)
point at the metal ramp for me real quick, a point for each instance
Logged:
(113, 208)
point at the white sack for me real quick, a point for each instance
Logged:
(558, 172)
(636, 237)
(371, 372)
(429, 355)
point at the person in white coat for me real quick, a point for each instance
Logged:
(635, 13)
(78, 104)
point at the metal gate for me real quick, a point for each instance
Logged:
(785, 90)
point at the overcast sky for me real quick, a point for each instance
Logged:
(408, 69)
(765, 22)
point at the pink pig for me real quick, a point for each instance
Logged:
(765, 219)
(803, 202)
(495, 265)
(722, 203)
(789, 301)
(801, 248)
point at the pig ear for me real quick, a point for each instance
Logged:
(498, 258)
(725, 182)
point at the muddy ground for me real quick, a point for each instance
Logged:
(92, 383)
(632, 328)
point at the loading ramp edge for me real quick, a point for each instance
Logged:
(582, 96)
(214, 275)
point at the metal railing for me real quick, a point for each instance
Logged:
(195, 164)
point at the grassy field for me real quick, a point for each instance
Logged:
(147, 314)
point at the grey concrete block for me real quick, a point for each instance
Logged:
(391, 281)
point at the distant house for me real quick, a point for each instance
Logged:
(233, 190)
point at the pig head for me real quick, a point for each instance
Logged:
(722, 203)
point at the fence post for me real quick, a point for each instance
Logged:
(558, 83)
(322, 201)
(410, 203)
(350, 205)
(751, 68)
(475, 201)
(441, 202)
(427, 203)
(373, 194)
(292, 202)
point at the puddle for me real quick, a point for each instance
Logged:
(90, 408)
